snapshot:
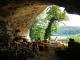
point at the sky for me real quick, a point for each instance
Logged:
(74, 20)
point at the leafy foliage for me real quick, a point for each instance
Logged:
(54, 15)
(38, 27)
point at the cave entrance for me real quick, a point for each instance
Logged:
(72, 23)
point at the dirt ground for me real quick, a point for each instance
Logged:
(48, 55)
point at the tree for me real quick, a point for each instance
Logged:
(42, 26)
(38, 27)
(54, 15)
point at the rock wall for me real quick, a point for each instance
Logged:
(16, 19)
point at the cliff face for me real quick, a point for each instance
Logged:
(16, 16)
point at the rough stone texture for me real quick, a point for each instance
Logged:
(71, 6)
(18, 15)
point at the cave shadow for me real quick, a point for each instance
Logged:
(72, 52)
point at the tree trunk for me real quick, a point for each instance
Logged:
(48, 29)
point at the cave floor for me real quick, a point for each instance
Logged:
(49, 55)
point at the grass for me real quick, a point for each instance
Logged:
(76, 37)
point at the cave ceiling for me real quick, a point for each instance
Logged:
(71, 6)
